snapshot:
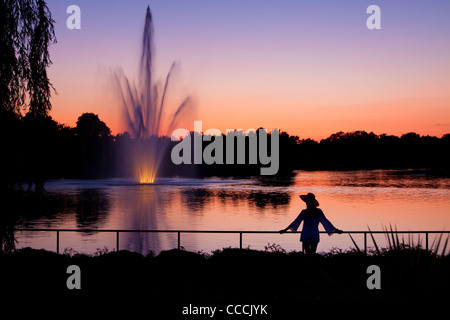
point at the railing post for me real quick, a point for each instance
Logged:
(117, 241)
(57, 242)
(365, 243)
(426, 240)
(240, 240)
(179, 240)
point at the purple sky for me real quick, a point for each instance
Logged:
(310, 68)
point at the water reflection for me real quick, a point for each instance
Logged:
(372, 179)
(261, 199)
(353, 200)
(92, 207)
(269, 181)
(142, 210)
(196, 198)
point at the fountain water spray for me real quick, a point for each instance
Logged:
(144, 106)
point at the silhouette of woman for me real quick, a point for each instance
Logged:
(311, 216)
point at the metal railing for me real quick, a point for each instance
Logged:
(240, 232)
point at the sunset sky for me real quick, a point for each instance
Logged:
(310, 68)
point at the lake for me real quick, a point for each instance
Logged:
(351, 200)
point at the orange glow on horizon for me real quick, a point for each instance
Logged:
(308, 110)
(319, 122)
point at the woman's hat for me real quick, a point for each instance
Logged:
(310, 199)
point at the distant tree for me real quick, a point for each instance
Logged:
(89, 125)
(410, 137)
(336, 136)
(308, 142)
(446, 137)
(95, 142)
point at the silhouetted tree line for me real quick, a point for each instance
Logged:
(223, 167)
(348, 151)
(39, 148)
(362, 150)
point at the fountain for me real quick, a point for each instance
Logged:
(145, 111)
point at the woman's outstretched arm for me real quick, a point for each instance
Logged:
(328, 226)
(294, 224)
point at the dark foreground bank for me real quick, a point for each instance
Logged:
(175, 284)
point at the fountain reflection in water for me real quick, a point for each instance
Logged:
(146, 111)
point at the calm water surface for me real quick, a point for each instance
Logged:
(351, 200)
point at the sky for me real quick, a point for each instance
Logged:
(310, 68)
